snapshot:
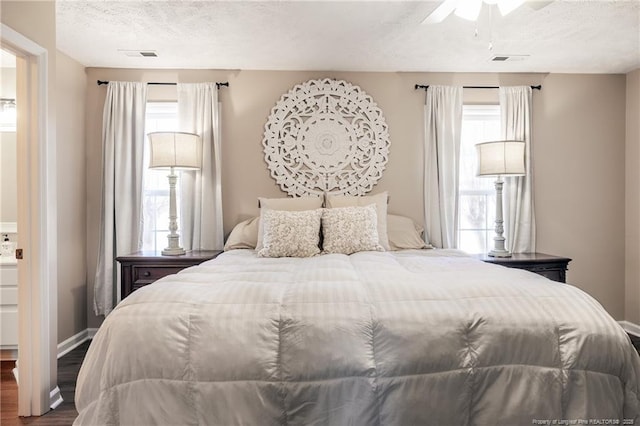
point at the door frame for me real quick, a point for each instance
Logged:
(37, 226)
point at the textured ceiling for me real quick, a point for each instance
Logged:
(592, 36)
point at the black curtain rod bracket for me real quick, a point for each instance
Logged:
(425, 87)
(153, 83)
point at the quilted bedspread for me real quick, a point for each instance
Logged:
(429, 337)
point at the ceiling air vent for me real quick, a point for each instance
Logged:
(508, 58)
(139, 53)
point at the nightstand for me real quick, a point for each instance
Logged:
(552, 267)
(144, 267)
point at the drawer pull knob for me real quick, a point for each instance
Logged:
(147, 274)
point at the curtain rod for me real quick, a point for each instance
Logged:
(422, 86)
(218, 85)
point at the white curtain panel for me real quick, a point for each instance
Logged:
(201, 191)
(519, 218)
(443, 124)
(121, 217)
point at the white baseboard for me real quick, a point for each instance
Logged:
(630, 327)
(55, 398)
(63, 348)
(74, 341)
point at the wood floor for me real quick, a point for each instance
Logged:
(68, 367)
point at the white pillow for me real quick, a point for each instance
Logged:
(290, 233)
(404, 233)
(286, 204)
(380, 200)
(349, 230)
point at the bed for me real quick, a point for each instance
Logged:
(407, 337)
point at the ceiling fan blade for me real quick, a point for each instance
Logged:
(507, 6)
(538, 4)
(469, 9)
(441, 12)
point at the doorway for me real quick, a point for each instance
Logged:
(36, 226)
(8, 210)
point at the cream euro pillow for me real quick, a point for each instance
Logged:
(404, 233)
(348, 230)
(244, 235)
(286, 204)
(290, 233)
(291, 204)
(380, 201)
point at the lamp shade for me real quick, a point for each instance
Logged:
(175, 149)
(500, 158)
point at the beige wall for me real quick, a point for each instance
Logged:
(578, 156)
(8, 176)
(579, 143)
(8, 173)
(72, 271)
(632, 197)
(8, 82)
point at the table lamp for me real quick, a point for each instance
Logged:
(498, 159)
(174, 151)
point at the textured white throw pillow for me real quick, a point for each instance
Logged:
(290, 233)
(348, 230)
(380, 200)
(289, 204)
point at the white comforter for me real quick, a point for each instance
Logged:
(397, 338)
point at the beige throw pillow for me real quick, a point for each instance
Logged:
(380, 200)
(404, 233)
(348, 230)
(244, 235)
(290, 233)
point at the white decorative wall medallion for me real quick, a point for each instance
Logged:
(326, 136)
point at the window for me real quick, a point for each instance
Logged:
(160, 117)
(477, 198)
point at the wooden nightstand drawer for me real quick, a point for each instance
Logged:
(143, 268)
(143, 275)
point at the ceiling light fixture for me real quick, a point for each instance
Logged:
(7, 104)
(7, 114)
(469, 9)
(139, 53)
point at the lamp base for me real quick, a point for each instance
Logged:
(499, 253)
(173, 239)
(173, 248)
(173, 251)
